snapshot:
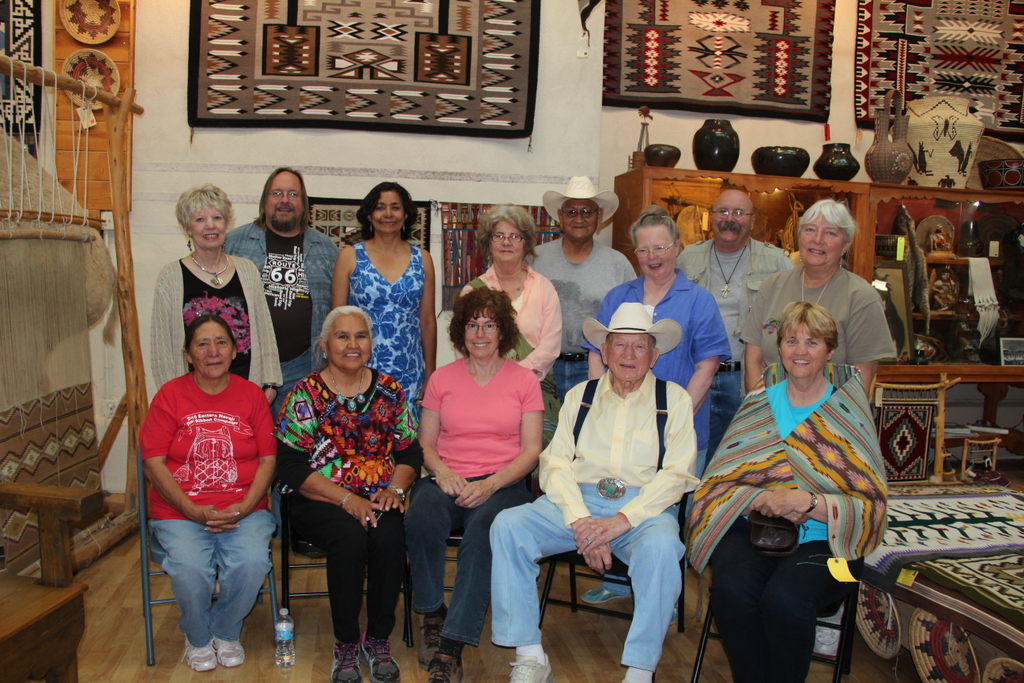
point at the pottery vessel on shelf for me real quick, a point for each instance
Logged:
(784, 161)
(889, 159)
(716, 146)
(665, 156)
(836, 162)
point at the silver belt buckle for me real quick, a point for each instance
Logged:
(611, 488)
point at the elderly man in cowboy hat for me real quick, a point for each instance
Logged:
(581, 269)
(620, 462)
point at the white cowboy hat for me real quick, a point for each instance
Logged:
(580, 187)
(633, 318)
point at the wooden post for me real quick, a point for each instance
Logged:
(131, 344)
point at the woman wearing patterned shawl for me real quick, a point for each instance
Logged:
(347, 453)
(803, 448)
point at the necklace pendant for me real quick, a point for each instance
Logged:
(216, 281)
(725, 291)
(351, 403)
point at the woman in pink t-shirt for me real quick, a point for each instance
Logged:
(208, 448)
(481, 436)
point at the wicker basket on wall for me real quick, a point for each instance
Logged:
(944, 136)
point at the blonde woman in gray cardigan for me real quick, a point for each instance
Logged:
(210, 281)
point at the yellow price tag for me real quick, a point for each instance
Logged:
(840, 570)
(901, 243)
(906, 577)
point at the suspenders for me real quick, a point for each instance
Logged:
(660, 404)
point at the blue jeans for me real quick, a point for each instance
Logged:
(239, 559)
(291, 371)
(726, 395)
(569, 374)
(432, 516)
(766, 607)
(523, 535)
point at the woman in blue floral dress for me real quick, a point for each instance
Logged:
(393, 281)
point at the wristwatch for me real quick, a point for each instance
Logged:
(814, 503)
(401, 492)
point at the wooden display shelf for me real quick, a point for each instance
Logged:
(967, 372)
(957, 260)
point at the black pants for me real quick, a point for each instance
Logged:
(766, 607)
(376, 555)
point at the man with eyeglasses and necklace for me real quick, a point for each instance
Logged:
(582, 269)
(731, 266)
(296, 264)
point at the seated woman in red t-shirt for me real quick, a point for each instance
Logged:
(481, 433)
(208, 448)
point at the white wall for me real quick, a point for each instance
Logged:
(573, 135)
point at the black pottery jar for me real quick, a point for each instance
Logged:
(716, 146)
(836, 162)
(784, 161)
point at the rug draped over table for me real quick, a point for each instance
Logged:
(970, 49)
(464, 67)
(767, 58)
(926, 527)
(995, 582)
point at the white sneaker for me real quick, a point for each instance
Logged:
(528, 670)
(826, 638)
(229, 652)
(200, 658)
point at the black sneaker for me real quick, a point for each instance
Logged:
(430, 641)
(375, 653)
(346, 667)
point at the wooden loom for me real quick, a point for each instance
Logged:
(116, 112)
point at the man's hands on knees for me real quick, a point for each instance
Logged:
(593, 538)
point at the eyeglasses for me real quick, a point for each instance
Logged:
(277, 194)
(642, 252)
(489, 328)
(734, 213)
(585, 213)
(508, 237)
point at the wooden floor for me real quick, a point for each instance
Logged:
(584, 648)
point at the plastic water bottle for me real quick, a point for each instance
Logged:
(284, 635)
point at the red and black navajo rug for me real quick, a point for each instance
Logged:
(967, 48)
(456, 67)
(904, 434)
(768, 58)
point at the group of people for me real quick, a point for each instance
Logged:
(622, 393)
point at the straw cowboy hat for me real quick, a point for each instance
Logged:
(633, 318)
(580, 187)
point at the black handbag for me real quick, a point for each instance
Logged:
(774, 536)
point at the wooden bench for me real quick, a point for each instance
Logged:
(43, 621)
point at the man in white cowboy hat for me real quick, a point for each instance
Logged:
(581, 269)
(620, 461)
(731, 266)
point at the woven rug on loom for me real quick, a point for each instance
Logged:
(941, 526)
(995, 582)
(904, 433)
(967, 48)
(755, 58)
(48, 440)
(457, 67)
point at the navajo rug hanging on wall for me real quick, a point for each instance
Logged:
(967, 48)
(20, 34)
(768, 58)
(458, 67)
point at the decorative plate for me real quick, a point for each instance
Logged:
(1003, 670)
(942, 650)
(878, 621)
(93, 68)
(933, 225)
(90, 21)
(932, 348)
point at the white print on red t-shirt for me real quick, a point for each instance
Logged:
(284, 278)
(193, 419)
